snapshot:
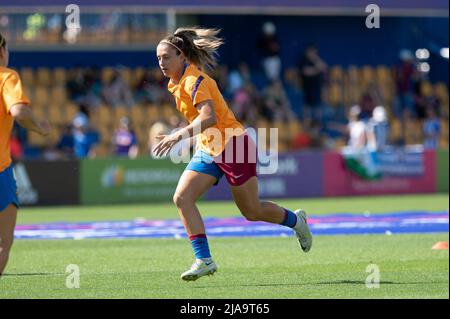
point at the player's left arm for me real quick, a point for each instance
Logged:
(206, 119)
(26, 118)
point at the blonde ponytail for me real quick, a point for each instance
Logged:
(2, 41)
(198, 45)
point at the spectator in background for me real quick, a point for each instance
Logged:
(356, 129)
(425, 98)
(270, 50)
(431, 129)
(148, 89)
(85, 139)
(75, 84)
(220, 74)
(92, 89)
(378, 130)
(312, 70)
(277, 106)
(308, 136)
(369, 99)
(294, 91)
(405, 74)
(238, 78)
(124, 141)
(117, 93)
(244, 104)
(65, 145)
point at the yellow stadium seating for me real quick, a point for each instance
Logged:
(43, 77)
(59, 77)
(27, 77)
(41, 96)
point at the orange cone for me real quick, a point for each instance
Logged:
(440, 245)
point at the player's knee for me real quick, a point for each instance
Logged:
(180, 200)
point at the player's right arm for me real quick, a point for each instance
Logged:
(25, 117)
(16, 104)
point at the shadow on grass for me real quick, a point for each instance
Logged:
(33, 274)
(338, 282)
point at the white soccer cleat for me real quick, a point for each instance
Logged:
(302, 231)
(199, 269)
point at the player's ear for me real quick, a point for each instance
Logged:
(182, 56)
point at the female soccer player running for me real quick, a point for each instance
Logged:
(13, 106)
(182, 58)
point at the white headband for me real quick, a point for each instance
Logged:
(176, 47)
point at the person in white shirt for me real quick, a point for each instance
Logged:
(378, 129)
(356, 129)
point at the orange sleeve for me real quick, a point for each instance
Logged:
(199, 90)
(12, 92)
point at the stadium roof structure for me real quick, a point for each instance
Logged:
(438, 8)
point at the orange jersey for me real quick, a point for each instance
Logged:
(11, 93)
(195, 87)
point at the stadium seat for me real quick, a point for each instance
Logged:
(59, 77)
(383, 75)
(70, 111)
(119, 112)
(152, 114)
(54, 136)
(41, 96)
(58, 95)
(168, 111)
(105, 115)
(426, 88)
(126, 75)
(262, 123)
(294, 128)
(27, 77)
(106, 74)
(141, 132)
(336, 73)
(43, 77)
(138, 115)
(367, 76)
(106, 133)
(55, 114)
(35, 139)
(443, 142)
(137, 75)
(396, 130)
(335, 97)
(413, 130)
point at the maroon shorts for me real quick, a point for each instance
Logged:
(238, 160)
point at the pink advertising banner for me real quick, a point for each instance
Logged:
(404, 173)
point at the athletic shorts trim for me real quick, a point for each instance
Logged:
(8, 189)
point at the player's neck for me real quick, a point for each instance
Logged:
(180, 74)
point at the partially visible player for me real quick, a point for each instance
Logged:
(182, 57)
(13, 106)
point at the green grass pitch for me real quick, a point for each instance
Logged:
(248, 267)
